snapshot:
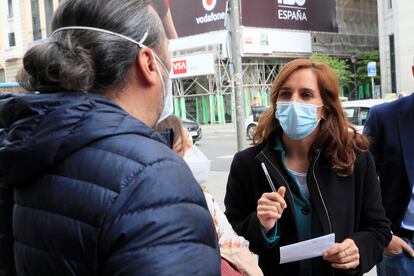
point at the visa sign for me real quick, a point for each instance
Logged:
(179, 67)
(192, 65)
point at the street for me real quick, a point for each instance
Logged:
(219, 144)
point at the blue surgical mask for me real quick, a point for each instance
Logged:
(168, 106)
(297, 120)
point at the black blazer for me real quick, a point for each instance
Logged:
(391, 129)
(348, 206)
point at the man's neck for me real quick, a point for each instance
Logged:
(128, 101)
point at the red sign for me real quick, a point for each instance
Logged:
(179, 67)
(248, 40)
(209, 5)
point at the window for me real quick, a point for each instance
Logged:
(37, 32)
(363, 114)
(392, 61)
(2, 76)
(12, 40)
(350, 114)
(10, 7)
(49, 15)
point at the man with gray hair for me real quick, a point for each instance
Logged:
(390, 127)
(86, 186)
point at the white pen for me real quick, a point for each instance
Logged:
(268, 177)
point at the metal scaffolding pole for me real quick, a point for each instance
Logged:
(237, 74)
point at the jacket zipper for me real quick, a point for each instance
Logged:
(319, 191)
(320, 195)
(317, 185)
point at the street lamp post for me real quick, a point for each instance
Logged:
(237, 74)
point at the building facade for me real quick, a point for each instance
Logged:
(23, 23)
(203, 38)
(265, 49)
(396, 43)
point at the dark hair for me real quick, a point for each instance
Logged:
(337, 139)
(85, 60)
(173, 122)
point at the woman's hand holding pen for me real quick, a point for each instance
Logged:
(270, 208)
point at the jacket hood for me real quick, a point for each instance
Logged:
(39, 130)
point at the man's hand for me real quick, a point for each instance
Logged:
(270, 208)
(397, 246)
(344, 255)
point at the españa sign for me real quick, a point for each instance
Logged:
(312, 15)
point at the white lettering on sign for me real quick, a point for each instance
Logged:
(292, 2)
(292, 10)
(179, 67)
(297, 15)
(212, 17)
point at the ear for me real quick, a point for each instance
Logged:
(147, 67)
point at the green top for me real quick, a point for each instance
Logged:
(302, 206)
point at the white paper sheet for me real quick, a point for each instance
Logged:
(306, 249)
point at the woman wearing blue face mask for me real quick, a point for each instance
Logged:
(309, 174)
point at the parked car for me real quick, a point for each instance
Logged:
(250, 126)
(357, 111)
(193, 129)
(250, 122)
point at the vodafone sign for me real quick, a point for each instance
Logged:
(194, 65)
(193, 17)
(209, 5)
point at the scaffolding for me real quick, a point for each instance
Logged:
(210, 99)
(357, 30)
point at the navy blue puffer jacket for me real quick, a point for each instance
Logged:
(94, 191)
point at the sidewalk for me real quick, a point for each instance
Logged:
(216, 185)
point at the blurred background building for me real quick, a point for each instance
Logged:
(396, 37)
(272, 33)
(23, 23)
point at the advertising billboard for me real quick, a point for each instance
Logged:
(310, 15)
(191, 17)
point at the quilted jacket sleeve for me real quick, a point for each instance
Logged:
(160, 225)
(6, 239)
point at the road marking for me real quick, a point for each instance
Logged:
(218, 136)
(225, 157)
